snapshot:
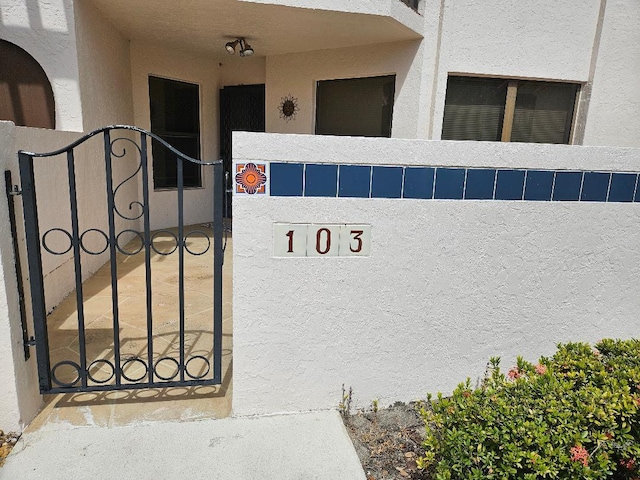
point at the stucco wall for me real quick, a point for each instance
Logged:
(14, 371)
(46, 30)
(448, 283)
(297, 74)
(183, 66)
(614, 117)
(541, 39)
(53, 202)
(105, 70)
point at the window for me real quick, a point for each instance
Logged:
(492, 109)
(361, 107)
(26, 96)
(175, 117)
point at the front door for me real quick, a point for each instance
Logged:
(242, 108)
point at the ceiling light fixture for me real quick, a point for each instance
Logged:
(245, 49)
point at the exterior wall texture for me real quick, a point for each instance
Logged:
(174, 65)
(105, 70)
(46, 30)
(447, 284)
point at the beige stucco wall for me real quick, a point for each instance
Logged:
(46, 30)
(105, 70)
(297, 74)
(183, 66)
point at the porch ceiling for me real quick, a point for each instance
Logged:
(204, 26)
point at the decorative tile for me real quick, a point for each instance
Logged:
(386, 182)
(286, 179)
(251, 178)
(480, 183)
(449, 183)
(323, 240)
(622, 187)
(567, 186)
(289, 240)
(539, 185)
(355, 240)
(355, 181)
(321, 180)
(418, 182)
(595, 187)
(510, 185)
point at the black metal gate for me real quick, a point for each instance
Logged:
(116, 369)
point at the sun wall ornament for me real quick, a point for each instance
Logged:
(288, 107)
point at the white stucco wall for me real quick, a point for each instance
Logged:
(541, 39)
(297, 74)
(105, 70)
(614, 117)
(394, 9)
(46, 30)
(448, 283)
(154, 60)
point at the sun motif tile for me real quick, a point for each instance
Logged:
(251, 178)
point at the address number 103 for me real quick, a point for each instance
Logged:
(315, 240)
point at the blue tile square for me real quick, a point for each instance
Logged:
(354, 181)
(539, 185)
(480, 184)
(449, 183)
(321, 180)
(418, 182)
(386, 182)
(509, 184)
(286, 179)
(622, 187)
(594, 187)
(567, 186)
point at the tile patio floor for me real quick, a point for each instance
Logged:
(131, 406)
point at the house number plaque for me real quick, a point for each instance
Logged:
(319, 240)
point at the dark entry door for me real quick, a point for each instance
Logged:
(242, 108)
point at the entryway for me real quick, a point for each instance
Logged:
(242, 108)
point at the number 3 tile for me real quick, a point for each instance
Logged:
(355, 240)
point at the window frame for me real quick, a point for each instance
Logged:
(169, 133)
(511, 98)
(381, 75)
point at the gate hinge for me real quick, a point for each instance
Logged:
(31, 342)
(15, 191)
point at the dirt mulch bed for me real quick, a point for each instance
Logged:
(388, 441)
(7, 441)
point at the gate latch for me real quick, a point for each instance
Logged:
(15, 191)
(31, 342)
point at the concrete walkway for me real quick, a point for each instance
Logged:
(304, 446)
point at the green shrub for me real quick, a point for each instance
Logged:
(575, 415)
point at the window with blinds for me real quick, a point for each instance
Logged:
(489, 109)
(360, 107)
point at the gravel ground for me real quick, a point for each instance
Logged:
(7, 441)
(388, 441)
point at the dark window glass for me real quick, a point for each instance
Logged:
(175, 117)
(356, 107)
(544, 112)
(474, 109)
(26, 96)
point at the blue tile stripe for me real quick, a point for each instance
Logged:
(451, 183)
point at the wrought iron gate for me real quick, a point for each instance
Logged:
(149, 367)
